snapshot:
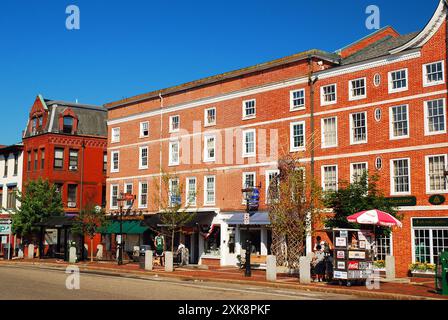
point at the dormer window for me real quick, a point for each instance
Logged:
(34, 126)
(68, 125)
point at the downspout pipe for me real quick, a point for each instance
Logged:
(161, 144)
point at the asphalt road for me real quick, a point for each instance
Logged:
(33, 283)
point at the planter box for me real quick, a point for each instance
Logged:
(423, 274)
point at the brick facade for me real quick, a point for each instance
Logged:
(271, 85)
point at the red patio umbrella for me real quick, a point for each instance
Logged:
(375, 217)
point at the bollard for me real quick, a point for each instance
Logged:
(305, 270)
(31, 251)
(271, 268)
(148, 260)
(72, 255)
(390, 267)
(169, 261)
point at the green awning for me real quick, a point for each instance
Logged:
(129, 227)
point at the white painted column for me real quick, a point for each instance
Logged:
(237, 240)
(264, 241)
(224, 244)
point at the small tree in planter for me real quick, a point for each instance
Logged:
(294, 206)
(168, 198)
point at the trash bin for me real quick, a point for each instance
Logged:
(141, 259)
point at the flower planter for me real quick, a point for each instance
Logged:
(422, 274)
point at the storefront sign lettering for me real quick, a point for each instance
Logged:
(403, 201)
(430, 222)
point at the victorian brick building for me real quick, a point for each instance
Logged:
(377, 105)
(65, 143)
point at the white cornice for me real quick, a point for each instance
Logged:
(431, 28)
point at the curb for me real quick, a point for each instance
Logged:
(126, 273)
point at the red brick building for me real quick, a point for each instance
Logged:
(65, 143)
(378, 104)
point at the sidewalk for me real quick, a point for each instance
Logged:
(416, 289)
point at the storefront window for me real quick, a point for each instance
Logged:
(430, 239)
(383, 247)
(255, 238)
(213, 242)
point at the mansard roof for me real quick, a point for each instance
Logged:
(91, 119)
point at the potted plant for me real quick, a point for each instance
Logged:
(422, 269)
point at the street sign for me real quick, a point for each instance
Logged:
(246, 219)
(5, 228)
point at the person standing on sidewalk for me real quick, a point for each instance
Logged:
(159, 243)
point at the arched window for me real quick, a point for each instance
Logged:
(68, 124)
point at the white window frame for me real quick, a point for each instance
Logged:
(431, 238)
(351, 97)
(187, 192)
(115, 135)
(245, 174)
(322, 95)
(171, 130)
(425, 112)
(352, 171)
(251, 154)
(252, 116)
(352, 142)
(323, 145)
(292, 148)
(425, 74)
(206, 154)
(170, 190)
(390, 82)
(428, 184)
(141, 129)
(391, 124)
(267, 174)
(211, 203)
(140, 157)
(170, 153)
(111, 195)
(140, 206)
(322, 168)
(392, 183)
(112, 169)
(291, 100)
(206, 123)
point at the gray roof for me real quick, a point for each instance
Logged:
(92, 119)
(379, 49)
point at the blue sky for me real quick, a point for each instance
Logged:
(124, 48)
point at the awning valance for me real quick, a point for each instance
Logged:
(197, 218)
(129, 227)
(257, 218)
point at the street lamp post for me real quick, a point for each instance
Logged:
(123, 197)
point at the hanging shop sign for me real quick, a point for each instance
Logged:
(437, 200)
(410, 201)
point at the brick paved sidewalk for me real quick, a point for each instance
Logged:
(417, 288)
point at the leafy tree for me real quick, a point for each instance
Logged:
(168, 197)
(294, 206)
(39, 201)
(88, 222)
(363, 194)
